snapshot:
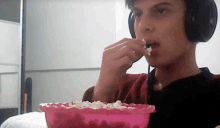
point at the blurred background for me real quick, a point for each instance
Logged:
(59, 45)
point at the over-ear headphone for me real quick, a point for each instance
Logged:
(200, 23)
(201, 19)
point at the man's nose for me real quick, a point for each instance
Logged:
(146, 25)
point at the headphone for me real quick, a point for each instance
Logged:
(200, 20)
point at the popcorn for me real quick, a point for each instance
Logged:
(108, 106)
(116, 104)
(86, 104)
(144, 45)
(97, 105)
(131, 107)
(149, 51)
(43, 104)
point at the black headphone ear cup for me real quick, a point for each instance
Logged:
(201, 20)
(131, 25)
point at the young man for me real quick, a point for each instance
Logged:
(183, 94)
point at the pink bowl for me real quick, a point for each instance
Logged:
(60, 117)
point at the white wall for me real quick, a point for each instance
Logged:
(65, 41)
(61, 86)
(9, 64)
(64, 45)
(10, 42)
(10, 53)
(10, 91)
(10, 60)
(68, 34)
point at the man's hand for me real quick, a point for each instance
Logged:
(116, 60)
(217, 126)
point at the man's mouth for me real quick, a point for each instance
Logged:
(153, 45)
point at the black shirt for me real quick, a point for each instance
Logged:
(192, 102)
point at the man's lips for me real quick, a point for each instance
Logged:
(154, 45)
(152, 49)
(151, 46)
(151, 43)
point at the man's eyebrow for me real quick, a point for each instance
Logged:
(155, 6)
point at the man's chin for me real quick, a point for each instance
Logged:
(156, 65)
(152, 66)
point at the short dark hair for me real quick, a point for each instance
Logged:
(130, 3)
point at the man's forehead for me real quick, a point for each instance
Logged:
(139, 1)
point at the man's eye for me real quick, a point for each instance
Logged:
(161, 10)
(137, 15)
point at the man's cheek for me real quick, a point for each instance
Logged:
(137, 33)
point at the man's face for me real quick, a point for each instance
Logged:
(164, 22)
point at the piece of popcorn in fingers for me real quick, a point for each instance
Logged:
(144, 45)
(149, 51)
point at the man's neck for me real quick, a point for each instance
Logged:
(173, 72)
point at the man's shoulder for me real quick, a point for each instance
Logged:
(212, 86)
(216, 80)
(134, 79)
(216, 76)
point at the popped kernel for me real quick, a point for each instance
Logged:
(149, 51)
(131, 108)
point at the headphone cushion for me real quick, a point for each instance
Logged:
(201, 20)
